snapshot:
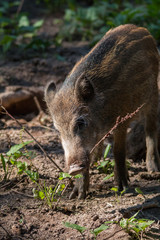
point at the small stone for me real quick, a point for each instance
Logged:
(16, 229)
(95, 217)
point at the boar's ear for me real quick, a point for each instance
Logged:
(50, 91)
(84, 89)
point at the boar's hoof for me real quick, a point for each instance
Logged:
(75, 193)
(81, 186)
(153, 165)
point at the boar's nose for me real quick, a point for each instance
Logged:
(76, 169)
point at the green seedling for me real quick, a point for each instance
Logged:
(139, 191)
(98, 230)
(130, 225)
(81, 229)
(138, 226)
(48, 194)
(12, 159)
(106, 165)
(117, 194)
(52, 194)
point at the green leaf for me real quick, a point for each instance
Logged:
(78, 176)
(6, 42)
(38, 194)
(124, 223)
(108, 176)
(22, 166)
(133, 217)
(23, 21)
(98, 230)
(17, 147)
(38, 24)
(62, 186)
(102, 164)
(63, 175)
(41, 195)
(3, 162)
(115, 189)
(107, 150)
(138, 190)
(74, 226)
(30, 155)
(32, 175)
(144, 223)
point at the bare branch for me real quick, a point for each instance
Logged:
(119, 121)
(39, 145)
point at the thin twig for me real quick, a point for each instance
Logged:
(119, 121)
(8, 234)
(66, 186)
(38, 104)
(23, 194)
(39, 145)
(20, 7)
(140, 207)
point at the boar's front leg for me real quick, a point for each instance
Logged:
(120, 170)
(152, 155)
(81, 186)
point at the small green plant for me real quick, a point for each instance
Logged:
(52, 194)
(130, 225)
(12, 159)
(137, 226)
(139, 191)
(117, 194)
(98, 230)
(81, 229)
(107, 165)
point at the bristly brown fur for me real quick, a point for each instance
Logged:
(115, 78)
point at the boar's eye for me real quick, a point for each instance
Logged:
(80, 124)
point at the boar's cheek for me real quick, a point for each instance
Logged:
(50, 92)
(84, 89)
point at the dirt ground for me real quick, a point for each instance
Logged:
(24, 217)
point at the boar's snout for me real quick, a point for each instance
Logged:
(78, 164)
(76, 169)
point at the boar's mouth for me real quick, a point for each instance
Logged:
(76, 169)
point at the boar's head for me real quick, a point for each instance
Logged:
(75, 115)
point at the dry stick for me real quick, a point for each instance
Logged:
(38, 104)
(141, 207)
(8, 234)
(66, 186)
(119, 121)
(39, 145)
(20, 7)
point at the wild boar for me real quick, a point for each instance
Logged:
(115, 78)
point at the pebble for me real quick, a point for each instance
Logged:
(95, 217)
(16, 229)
